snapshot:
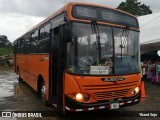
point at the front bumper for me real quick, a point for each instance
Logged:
(74, 106)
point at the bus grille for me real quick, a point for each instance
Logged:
(110, 94)
(106, 92)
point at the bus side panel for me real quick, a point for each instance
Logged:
(31, 66)
(38, 65)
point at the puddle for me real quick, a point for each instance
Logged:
(9, 90)
(8, 84)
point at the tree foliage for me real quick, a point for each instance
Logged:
(134, 7)
(5, 45)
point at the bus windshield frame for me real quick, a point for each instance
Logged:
(82, 52)
(104, 15)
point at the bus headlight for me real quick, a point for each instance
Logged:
(137, 89)
(79, 97)
(82, 97)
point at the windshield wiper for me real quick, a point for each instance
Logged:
(95, 30)
(124, 38)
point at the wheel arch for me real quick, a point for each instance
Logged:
(39, 81)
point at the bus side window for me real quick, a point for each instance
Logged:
(34, 42)
(27, 47)
(42, 33)
(44, 38)
(15, 47)
(20, 45)
(47, 30)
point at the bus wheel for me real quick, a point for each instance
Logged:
(43, 91)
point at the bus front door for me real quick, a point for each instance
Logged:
(56, 67)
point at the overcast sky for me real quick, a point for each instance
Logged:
(18, 16)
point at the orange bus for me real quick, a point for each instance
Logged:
(83, 57)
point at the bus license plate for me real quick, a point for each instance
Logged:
(114, 106)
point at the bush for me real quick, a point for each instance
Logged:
(5, 51)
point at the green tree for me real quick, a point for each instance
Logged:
(134, 7)
(5, 45)
(3, 41)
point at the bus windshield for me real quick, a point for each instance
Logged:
(118, 53)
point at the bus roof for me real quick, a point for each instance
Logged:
(68, 8)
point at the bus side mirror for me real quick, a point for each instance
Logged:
(67, 34)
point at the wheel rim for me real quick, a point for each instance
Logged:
(43, 92)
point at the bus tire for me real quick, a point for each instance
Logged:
(42, 90)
